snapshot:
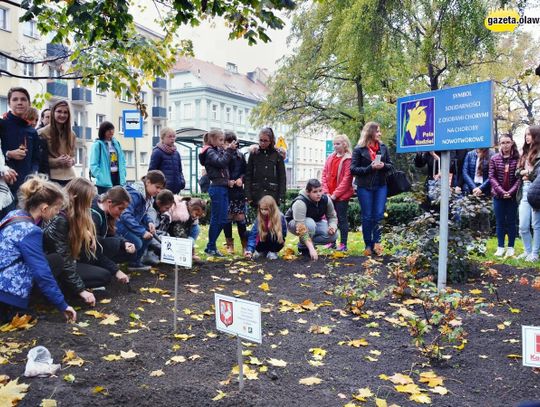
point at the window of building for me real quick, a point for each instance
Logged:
(130, 161)
(100, 118)
(3, 105)
(214, 112)
(28, 70)
(4, 19)
(187, 84)
(144, 158)
(54, 72)
(240, 116)
(228, 115)
(30, 29)
(120, 127)
(188, 111)
(124, 97)
(145, 127)
(98, 91)
(80, 118)
(3, 63)
(79, 156)
(156, 130)
(157, 100)
(142, 95)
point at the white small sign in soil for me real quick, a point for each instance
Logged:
(530, 336)
(176, 251)
(238, 317)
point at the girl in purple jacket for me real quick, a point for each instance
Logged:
(504, 187)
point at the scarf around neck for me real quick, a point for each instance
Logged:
(373, 150)
(165, 148)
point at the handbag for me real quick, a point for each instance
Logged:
(397, 183)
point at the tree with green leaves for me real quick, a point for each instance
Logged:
(100, 43)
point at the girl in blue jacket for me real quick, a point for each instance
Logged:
(134, 223)
(166, 158)
(107, 161)
(22, 260)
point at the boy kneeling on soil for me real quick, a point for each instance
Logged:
(312, 218)
(158, 214)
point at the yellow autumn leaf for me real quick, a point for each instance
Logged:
(411, 388)
(194, 357)
(105, 301)
(95, 314)
(363, 394)
(277, 362)
(284, 332)
(264, 286)
(48, 403)
(316, 363)
(157, 373)
(263, 369)
(254, 361)
(420, 398)
(239, 293)
(69, 378)
(220, 395)
(12, 392)
(374, 333)
(298, 275)
(439, 390)
(183, 337)
(109, 320)
(513, 356)
(380, 403)
(371, 359)
(128, 355)
(111, 357)
(317, 329)
(375, 352)
(514, 310)
(399, 378)
(356, 343)
(211, 334)
(268, 277)
(310, 381)
(318, 353)
(476, 291)
(98, 389)
(301, 321)
(176, 359)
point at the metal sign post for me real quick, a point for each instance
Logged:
(443, 221)
(175, 296)
(240, 362)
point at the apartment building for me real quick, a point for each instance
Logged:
(89, 106)
(205, 96)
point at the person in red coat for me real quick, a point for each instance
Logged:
(337, 184)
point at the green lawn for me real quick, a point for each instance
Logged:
(356, 247)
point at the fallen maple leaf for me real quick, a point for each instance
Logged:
(363, 394)
(475, 291)
(399, 378)
(310, 381)
(157, 373)
(411, 388)
(111, 357)
(23, 322)
(69, 378)
(183, 337)
(380, 403)
(71, 359)
(220, 395)
(176, 359)
(99, 389)
(95, 314)
(105, 301)
(128, 355)
(48, 403)
(420, 398)
(109, 320)
(264, 286)
(12, 392)
(317, 329)
(439, 390)
(277, 362)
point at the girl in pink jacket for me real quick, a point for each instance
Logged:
(337, 184)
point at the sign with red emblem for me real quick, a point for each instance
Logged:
(238, 317)
(531, 345)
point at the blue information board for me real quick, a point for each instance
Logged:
(448, 119)
(133, 123)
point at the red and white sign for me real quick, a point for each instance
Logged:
(238, 317)
(531, 345)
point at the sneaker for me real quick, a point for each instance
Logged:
(150, 259)
(378, 249)
(138, 267)
(256, 255)
(342, 247)
(213, 253)
(272, 256)
(532, 257)
(510, 252)
(367, 251)
(499, 252)
(330, 245)
(523, 256)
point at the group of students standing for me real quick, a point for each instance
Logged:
(319, 211)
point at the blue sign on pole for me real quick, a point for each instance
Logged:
(448, 119)
(329, 147)
(133, 123)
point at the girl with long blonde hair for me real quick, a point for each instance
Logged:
(72, 234)
(337, 184)
(267, 237)
(58, 145)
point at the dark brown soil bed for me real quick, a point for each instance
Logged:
(481, 374)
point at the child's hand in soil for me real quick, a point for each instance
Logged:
(88, 297)
(313, 254)
(122, 277)
(130, 248)
(248, 255)
(70, 314)
(147, 235)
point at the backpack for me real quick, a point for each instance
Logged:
(533, 195)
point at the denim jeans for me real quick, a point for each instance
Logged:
(527, 218)
(505, 215)
(194, 232)
(341, 208)
(219, 198)
(140, 244)
(372, 203)
(318, 232)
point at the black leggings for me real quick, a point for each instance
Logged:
(227, 229)
(270, 245)
(92, 276)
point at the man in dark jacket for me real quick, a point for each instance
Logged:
(20, 141)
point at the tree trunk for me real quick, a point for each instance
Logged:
(360, 101)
